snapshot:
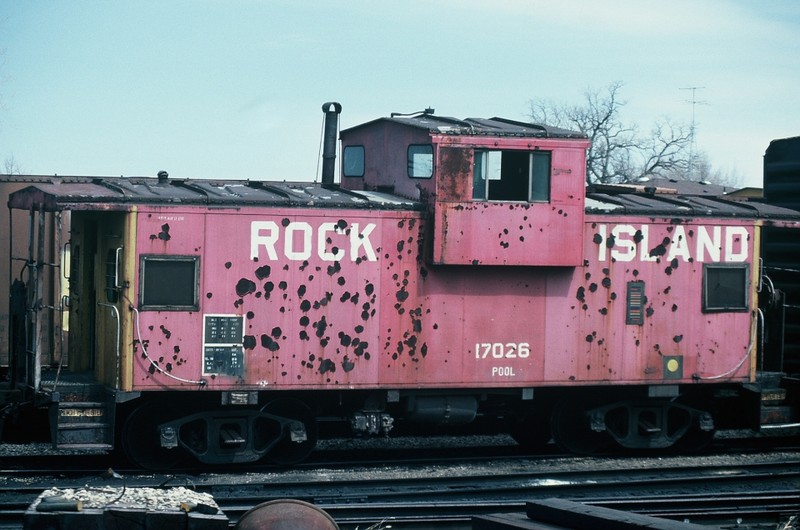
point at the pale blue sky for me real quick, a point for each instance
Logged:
(233, 89)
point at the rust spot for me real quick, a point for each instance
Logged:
(164, 234)
(269, 344)
(674, 307)
(321, 326)
(263, 272)
(677, 338)
(285, 222)
(606, 282)
(326, 365)
(592, 287)
(581, 294)
(334, 269)
(228, 264)
(347, 364)
(167, 333)
(245, 286)
(249, 342)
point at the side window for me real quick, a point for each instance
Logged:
(353, 161)
(725, 288)
(420, 161)
(540, 176)
(511, 176)
(169, 283)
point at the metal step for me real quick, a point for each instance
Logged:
(773, 396)
(82, 424)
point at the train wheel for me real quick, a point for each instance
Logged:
(141, 440)
(572, 432)
(299, 431)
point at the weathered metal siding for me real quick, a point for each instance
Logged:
(588, 338)
(171, 338)
(310, 298)
(468, 232)
(378, 316)
(386, 159)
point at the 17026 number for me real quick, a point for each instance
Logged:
(501, 350)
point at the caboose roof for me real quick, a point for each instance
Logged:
(471, 126)
(659, 197)
(671, 198)
(60, 193)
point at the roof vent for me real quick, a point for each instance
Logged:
(163, 176)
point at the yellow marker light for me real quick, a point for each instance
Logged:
(673, 365)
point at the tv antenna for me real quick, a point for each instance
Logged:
(693, 128)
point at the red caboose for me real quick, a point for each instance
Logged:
(459, 272)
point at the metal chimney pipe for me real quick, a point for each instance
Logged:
(331, 110)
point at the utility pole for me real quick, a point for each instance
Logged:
(692, 130)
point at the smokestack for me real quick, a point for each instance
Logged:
(331, 110)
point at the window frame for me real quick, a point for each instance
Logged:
(411, 166)
(532, 178)
(707, 307)
(345, 160)
(151, 258)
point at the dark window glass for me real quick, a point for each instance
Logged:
(725, 288)
(420, 161)
(540, 176)
(511, 176)
(353, 164)
(169, 282)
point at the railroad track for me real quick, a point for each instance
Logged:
(421, 495)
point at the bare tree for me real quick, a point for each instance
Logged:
(618, 152)
(11, 166)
